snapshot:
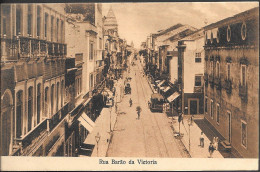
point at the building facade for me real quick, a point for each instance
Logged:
(232, 80)
(33, 53)
(191, 58)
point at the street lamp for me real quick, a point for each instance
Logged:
(97, 137)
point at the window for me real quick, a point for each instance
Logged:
(91, 81)
(228, 71)
(244, 134)
(91, 51)
(62, 87)
(19, 113)
(52, 99)
(29, 20)
(243, 75)
(217, 113)
(52, 28)
(57, 96)
(198, 80)
(38, 20)
(197, 60)
(212, 68)
(30, 108)
(46, 25)
(211, 109)
(57, 30)
(38, 103)
(6, 18)
(18, 19)
(46, 100)
(206, 104)
(80, 85)
(62, 34)
(217, 69)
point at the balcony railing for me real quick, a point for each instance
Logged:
(228, 85)
(27, 47)
(198, 89)
(243, 91)
(56, 118)
(33, 136)
(211, 80)
(99, 63)
(217, 82)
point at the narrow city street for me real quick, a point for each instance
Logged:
(151, 135)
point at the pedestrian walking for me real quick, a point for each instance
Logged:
(138, 109)
(202, 139)
(191, 119)
(130, 102)
(211, 149)
(215, 143)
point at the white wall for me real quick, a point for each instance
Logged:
(173, 69)
(190, 67)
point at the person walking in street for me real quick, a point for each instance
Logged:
(202, 139)
(215, 143)
(138, 109)
(130, 102)
(211, 149)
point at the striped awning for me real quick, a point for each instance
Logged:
(161, 83)
(173, 96)
(86, 122)
(166, 89)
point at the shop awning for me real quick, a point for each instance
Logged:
(86, 122)
(86, 102)
(161, 83)
(157, 81)
(85, 116)
(166, 89)
(173, 96)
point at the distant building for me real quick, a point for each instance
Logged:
(232, 81)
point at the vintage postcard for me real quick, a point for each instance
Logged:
(130, 86)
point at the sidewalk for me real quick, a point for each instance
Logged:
(196, 151)
(102, 126)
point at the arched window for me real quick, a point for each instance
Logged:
(19, 113)
(38, 103)
(52, 98)
(57, 96)
(46, 100)
(6, 124)
(30, 107)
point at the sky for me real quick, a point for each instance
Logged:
(137, 20)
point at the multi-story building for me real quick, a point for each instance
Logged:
(232, 81)
(84, 24)
(190, 72)
(33, 53)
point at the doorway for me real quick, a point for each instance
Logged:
(193, 106)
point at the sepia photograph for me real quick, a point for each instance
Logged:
(130, 86)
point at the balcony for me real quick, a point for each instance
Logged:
(211, 80)
(243, 92)
(198, 89)
(31, 138)
(99, 63)
(27, 47)
(228, 86)
(56, 118)
(217, 82)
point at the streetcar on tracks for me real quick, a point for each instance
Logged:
(156, 102)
